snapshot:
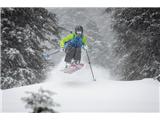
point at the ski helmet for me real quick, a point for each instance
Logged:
(79, 28)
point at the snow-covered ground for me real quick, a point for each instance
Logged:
(0, 100)
(78, 93)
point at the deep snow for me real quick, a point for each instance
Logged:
(0, 100)
(78, 93)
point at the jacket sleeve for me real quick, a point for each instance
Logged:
(84, 40)
(65, 39)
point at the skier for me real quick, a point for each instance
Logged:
(72, 45)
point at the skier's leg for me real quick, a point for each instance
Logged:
(70, 51)
(77, 56)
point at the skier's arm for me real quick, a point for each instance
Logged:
(66, 39)
(84, 40)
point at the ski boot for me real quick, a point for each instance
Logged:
(67, 65)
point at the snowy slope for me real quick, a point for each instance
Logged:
(78, 93)
(0, 100)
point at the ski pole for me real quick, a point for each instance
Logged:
(45, 55)
(90, 66)
(54, 52)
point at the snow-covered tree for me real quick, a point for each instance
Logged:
(41, 101)
(137, 47)
(24, 32)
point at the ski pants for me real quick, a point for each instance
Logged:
(72, 53)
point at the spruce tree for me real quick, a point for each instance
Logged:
(40, 101)
(137, 47)
(23, 34)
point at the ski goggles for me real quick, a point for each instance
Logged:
(79, 32)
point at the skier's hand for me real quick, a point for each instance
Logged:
(85, 47)
(46, 56)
